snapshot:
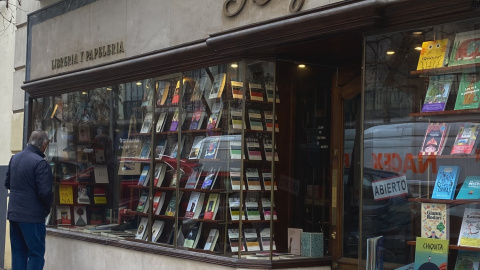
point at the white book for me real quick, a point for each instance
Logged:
(142, 228)
(265, 240)
(267, 181)
(158, 201)
(251, 239)
(469, 233)
(211, 240)
(195, 205)
(252, 209)
(235, 179)
(101, 174)
(160, 170)
(267, 209)
(157, 229)
(218, 85)
(234, 239)
(196, 149)
(193, 178)
(255, 118)
(162, 118)
(234, 205)
(253, 179)
(147, 123)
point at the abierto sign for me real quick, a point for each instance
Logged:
(390, 187)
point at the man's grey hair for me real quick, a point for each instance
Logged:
(37, 138)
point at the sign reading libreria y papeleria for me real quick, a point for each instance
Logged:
(88, 55)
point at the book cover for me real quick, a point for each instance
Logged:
(272, 93)
(171, 208)
(162, 118)
(467, 260)
(256, 91)
(265, 240)
(64, 216)
(236, 115)
(434, 54)
(234, 239)
(446, 182)
(147, 123)
(197, 146)
(234, 205)
(211, 147)
(470, 229)
(267, 149)
(253, 148)
(211, 240)
(267, 181)
(194, 177)
(101, 174)
(80, 215)
(251, 207)
(158, 200)
(210, 178)
(465, 140)
(431, 253)
(215, 116)
(96, 215)
(142, 228)
(253, 179)
(143, 179)
(195, 205)
(468, 92)
(251, 239)
(146, 147)
(157, 229)
(130, 150)
(176, 94)
(193, 233)
(470, 189)
(163, 87)
(237, 89)
(84, 193)
(160, 148)
(175, 124)
(65, 194)
(268, 116)
(375, 249)
(465, 49)
(143, 201)
(255, 118)
(294, 241)
(435, 221)
(435, 138)
(268, 210)
(160, 170)
(235, 179)
(212, 206)
(99, 195)
(437, 93)
(175, 147)
(218, 85)
(235, 149)
(197, 118)
(312, 246)
(199, 88)
(173, 173)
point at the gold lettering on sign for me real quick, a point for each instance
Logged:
(227, 3)
(293, 7)
(88, 55)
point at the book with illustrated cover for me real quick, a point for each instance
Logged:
(435, 221)
(143, 179)
(147, 123)
(197, 118)
(192, 234)
(235, 178)
(434, 54)
(235, 149)
(251, 239)
(215, 116)
(218, 85)
(175, 124)
(465, 140)
(65, 194)
(234, 239)
(142, 206)
(197, 146)
(64, 216)
(173, 173)
(199, 88)
(435, 138)
(146, 147)
(159, 174)
(267, 181)
(162, 118)
(251, 207)
(265, 240)
(253, 148)
(271, 93)
(237, 89)
(162, 92)
(446, 182)
(253, 179)
(101, 174)
(255, 118)
(211, 147)
(211, 240)
(212, 206)
(195, 205)
(157, 229)
(142, 228)
(470, 189)
(176, 146)
(268, 116)
(80, 215)
(437, 93)
(158, 201)
(234, 205)
(84, 193)
(171, 207)
(160, 148)
(268, 210)
(267, 148)
(465, 49)
(236, 115)
(130, 150)
(468, 92)
(176, 94)
(427, 257)
(470, 229)
(210, 178)
(256, 91)
(294, 240)
(194, 176)
(467, 260)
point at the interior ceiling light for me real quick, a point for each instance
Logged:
(390, 52)
(234, 65)
(301, 66)
(109, 88)
(139, 83)
(84, 93)
(418, 48)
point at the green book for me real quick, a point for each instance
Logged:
(470, 188)
(431, 253)
(468, 92)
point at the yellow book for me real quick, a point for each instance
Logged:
(65, 194)
(434, 54)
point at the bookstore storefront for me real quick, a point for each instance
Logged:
(256, 147)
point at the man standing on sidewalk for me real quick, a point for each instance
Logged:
(29, 179)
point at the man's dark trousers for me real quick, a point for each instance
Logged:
(27, 237)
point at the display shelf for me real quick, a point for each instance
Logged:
(448, 112)
(412, 243)
(470, 68)
(455, 202)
